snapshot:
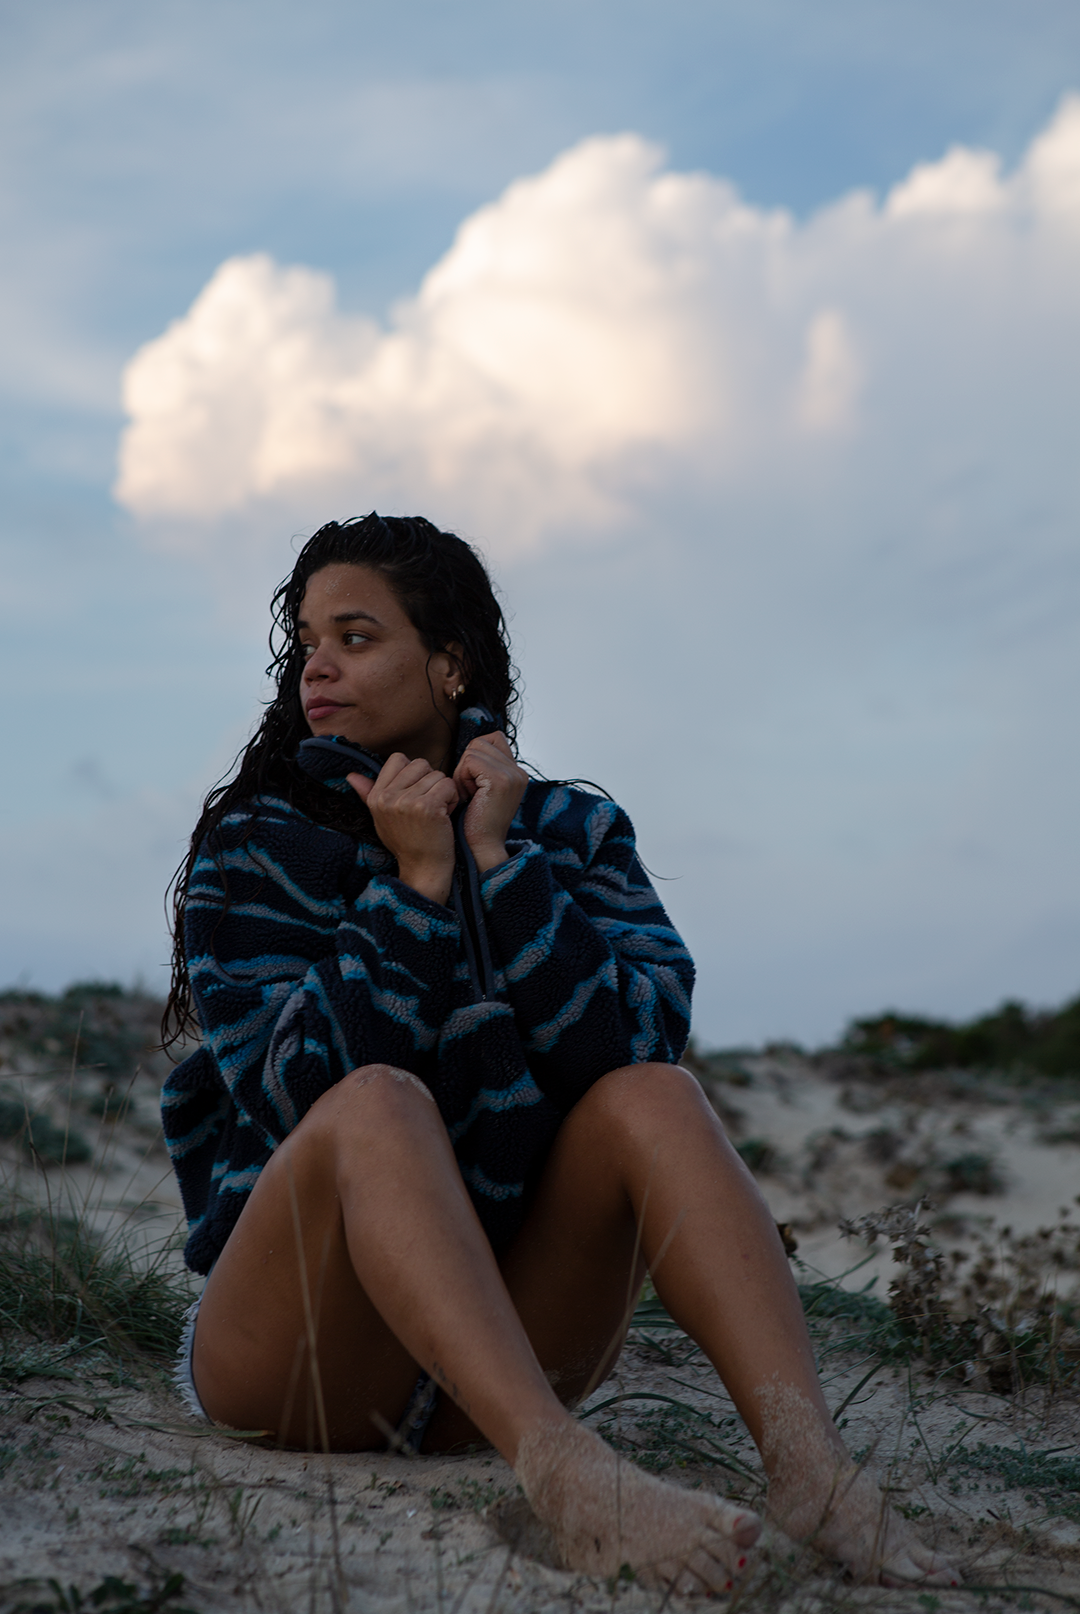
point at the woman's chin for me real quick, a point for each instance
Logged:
(327, 719)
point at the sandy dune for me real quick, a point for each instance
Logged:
(105, 1475)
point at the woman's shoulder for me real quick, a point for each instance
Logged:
(273, 835)
(272, 814)
(556, 811)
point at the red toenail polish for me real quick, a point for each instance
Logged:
(741, 1564)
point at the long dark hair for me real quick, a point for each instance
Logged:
(445, 591)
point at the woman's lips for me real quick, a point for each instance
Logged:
(321, 708)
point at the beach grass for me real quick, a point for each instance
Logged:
(64, 1288)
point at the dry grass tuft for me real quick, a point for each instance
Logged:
(1005, 1318)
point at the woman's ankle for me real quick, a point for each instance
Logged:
(543, 1443)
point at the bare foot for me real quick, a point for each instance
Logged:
(605, 1513)
(819, 1496)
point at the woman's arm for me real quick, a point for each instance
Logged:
(295, 982)
(597, 975)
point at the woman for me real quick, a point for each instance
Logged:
(399, 1163)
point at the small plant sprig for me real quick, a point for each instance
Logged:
(1003, 1323)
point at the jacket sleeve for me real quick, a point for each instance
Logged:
(295, 982)
(595, 972)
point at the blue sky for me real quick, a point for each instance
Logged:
(830, 669)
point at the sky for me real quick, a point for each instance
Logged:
(743, 339)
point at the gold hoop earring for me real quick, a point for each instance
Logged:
(455, 693)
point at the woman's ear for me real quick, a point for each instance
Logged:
(455, 676)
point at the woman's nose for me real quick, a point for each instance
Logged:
(319, 664)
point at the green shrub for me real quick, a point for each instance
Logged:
(12, 1117)
(93, 1024)
(110, 1596)
(868, 1323)
(1049, 1476)
(42, 1139)
(972, 1173)
(758, 1154)
(1012, 1037)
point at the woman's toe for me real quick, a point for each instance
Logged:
(705, 1571)
(740, 1524)
(941, 1573)
(916, 1565)
(687, 1585)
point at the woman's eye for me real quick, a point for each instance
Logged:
(307, 651)
(354, 636)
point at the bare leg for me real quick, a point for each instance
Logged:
(364, 1207)
(719, 1266)
(406, 1276)
(360, 1236)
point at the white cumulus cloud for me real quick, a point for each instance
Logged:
(826, 650)
(602, 327)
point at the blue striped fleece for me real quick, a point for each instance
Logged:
(321, 961)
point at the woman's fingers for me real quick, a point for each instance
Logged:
(403, 784)
(489, 777)
(399, 772)
(410, 804)
(489, 758)
(396, 763)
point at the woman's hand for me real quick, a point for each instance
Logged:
(411, 803)
(490, 780)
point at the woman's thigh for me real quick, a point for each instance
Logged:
(283, 1281)
(285, 1277)
(575, 1270)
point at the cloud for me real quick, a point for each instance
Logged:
(604, 327)
(829, 385)
(544, 346)
(817, 627)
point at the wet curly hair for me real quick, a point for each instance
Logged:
(446, 592)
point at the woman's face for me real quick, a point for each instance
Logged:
(368, 675)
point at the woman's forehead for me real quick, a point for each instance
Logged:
(341, 587)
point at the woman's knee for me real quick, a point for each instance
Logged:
(388, 1082)
(643, 1093)
(391, 1094)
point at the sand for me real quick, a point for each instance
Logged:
(111, 1478)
